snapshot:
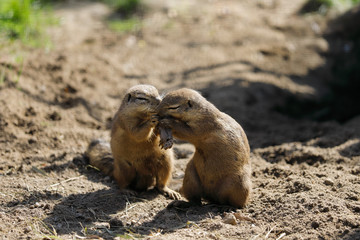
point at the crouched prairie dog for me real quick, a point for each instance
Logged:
(220, 168)
(139, 162)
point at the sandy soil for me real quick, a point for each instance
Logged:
(246, 57)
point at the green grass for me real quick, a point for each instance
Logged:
(24, 20)
(126, 16)
(2, 77)
(125, 25)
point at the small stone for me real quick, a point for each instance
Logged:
(240, 217)
(27, 229)
(32, 141)
(353, 197)
(325, 209)
(212, 236)
(20, 218)
(329, 182)
(315, 224)
(230, 219)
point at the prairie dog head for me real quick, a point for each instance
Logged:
(185, 105)
(141, 99)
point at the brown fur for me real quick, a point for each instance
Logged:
(220, 168)
(99, 155)
(139, 162)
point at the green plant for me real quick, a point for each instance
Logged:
(2, 77)
(125, 7)
(24, 20)
(126, 17)
(322, 6)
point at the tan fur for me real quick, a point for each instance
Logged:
(99, 155)
(220, 168)
(139, 162)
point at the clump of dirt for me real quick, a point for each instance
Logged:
(246, 57)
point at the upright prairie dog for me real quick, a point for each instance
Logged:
(220, 168)
(139, 162)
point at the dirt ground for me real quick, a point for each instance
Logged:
(246, 57)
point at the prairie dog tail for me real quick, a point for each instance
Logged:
(99, 155)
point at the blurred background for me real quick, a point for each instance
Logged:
(27, 23)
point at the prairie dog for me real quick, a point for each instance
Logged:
(220, 168)
(139, 162)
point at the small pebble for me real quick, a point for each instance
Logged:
(315, 224)
(230, 219)
(357, 209)
(329, 182)
(325, 209)
(27, 229)
(32, 141)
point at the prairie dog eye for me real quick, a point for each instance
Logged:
(173, 107)
(142, 99)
